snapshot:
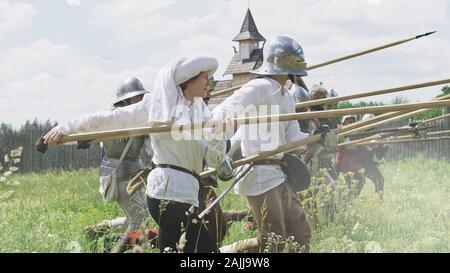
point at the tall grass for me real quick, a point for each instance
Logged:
(47, 213)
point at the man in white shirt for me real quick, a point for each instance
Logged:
(274, 205)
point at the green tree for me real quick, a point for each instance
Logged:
(435, 112)
(5, 128)
(399, 100)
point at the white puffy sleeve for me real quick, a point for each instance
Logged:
(135, 115)
(293, 132)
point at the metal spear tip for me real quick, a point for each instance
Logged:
(426, 34)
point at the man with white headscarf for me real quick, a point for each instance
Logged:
(274, 205)
(173, 185)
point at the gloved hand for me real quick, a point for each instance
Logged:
(83, 145)
(351, 147)
(328, 138)
(225, 171)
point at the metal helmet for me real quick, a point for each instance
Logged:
(332, 93)
(367, 116)
(299, 93)
(344, 118)
(318, 92)
(282, 56)
(128, 88)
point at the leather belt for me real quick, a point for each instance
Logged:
(270, 162)
(181, 169)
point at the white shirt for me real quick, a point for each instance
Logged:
(261, 93)
(162, 183)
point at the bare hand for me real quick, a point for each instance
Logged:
(226, 125)
(53, 136)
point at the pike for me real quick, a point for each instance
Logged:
(359, 126)
(355, 127)
(407, 132)
(446, 132)
(436, 118)
(370, 93)
(408, 140)
(357, 54)
(385, 118)
(125, 133)
(406, 129)
(340, 59)
(426, 135)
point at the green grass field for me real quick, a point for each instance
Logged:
(47, 212)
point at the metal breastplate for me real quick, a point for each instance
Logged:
(131, 163)
(125, 170)
(114, 148)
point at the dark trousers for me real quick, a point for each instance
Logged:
(377, 178)
(374, 174)
(174, 219)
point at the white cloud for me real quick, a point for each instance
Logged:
(134, 20)
(211, 45)
(56, 81)
(330, 28)
(15, 16)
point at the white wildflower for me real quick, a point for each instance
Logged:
(17, 152)
(73, 247)
(6, 195)
(191, 210)
(373, 247)
(167, 250)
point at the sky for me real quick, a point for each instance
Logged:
(63, 58)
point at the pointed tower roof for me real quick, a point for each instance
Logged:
(248, 30)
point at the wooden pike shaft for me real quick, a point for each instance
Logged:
(363, 140)
(446, 132)
(369, 93)
(340, 59)
(387, 135)
(356, 127)
(284, 148)
(428, 134)
(124, 133)
(407, 140)
(436, 118)
(225, 91)
(386, 118)
(343, 112)
(357, 54)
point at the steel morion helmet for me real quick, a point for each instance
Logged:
(318, 92)
(282, 56)
(344, 118)
(299, 93)
(128, 88)
(332, 93)
(367, 116)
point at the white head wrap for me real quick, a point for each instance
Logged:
(167, 93)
